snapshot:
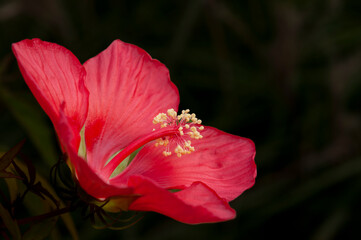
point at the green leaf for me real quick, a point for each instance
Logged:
(9, 156)
(40, 230)
(10, 223)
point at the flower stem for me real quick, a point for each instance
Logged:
(41, 217)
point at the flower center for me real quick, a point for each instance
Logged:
(186, 124)
(174, 133)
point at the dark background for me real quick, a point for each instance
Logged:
(286, 74)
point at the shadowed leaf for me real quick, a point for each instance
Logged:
(30, 118)
(13, 188)
(5, 174)
(42, 186)
(40, 230)
(31, 171)
(10, 223)
(9, 156)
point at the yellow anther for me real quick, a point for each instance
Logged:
(161, 117)
(180, 129)
(171, 113)
(166, 154)
(161, 142)
(178, 149)
(185, 111)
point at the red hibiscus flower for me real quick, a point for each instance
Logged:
(116, 119)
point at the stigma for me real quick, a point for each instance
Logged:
(187, 127)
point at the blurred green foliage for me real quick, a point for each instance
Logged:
(286, 74)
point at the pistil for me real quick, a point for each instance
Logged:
(175, 131)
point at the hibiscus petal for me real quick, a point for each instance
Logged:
(93, 185)
(56, 78)
(87, 178)
(195, 204)
(127, 89)
(222, 161)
